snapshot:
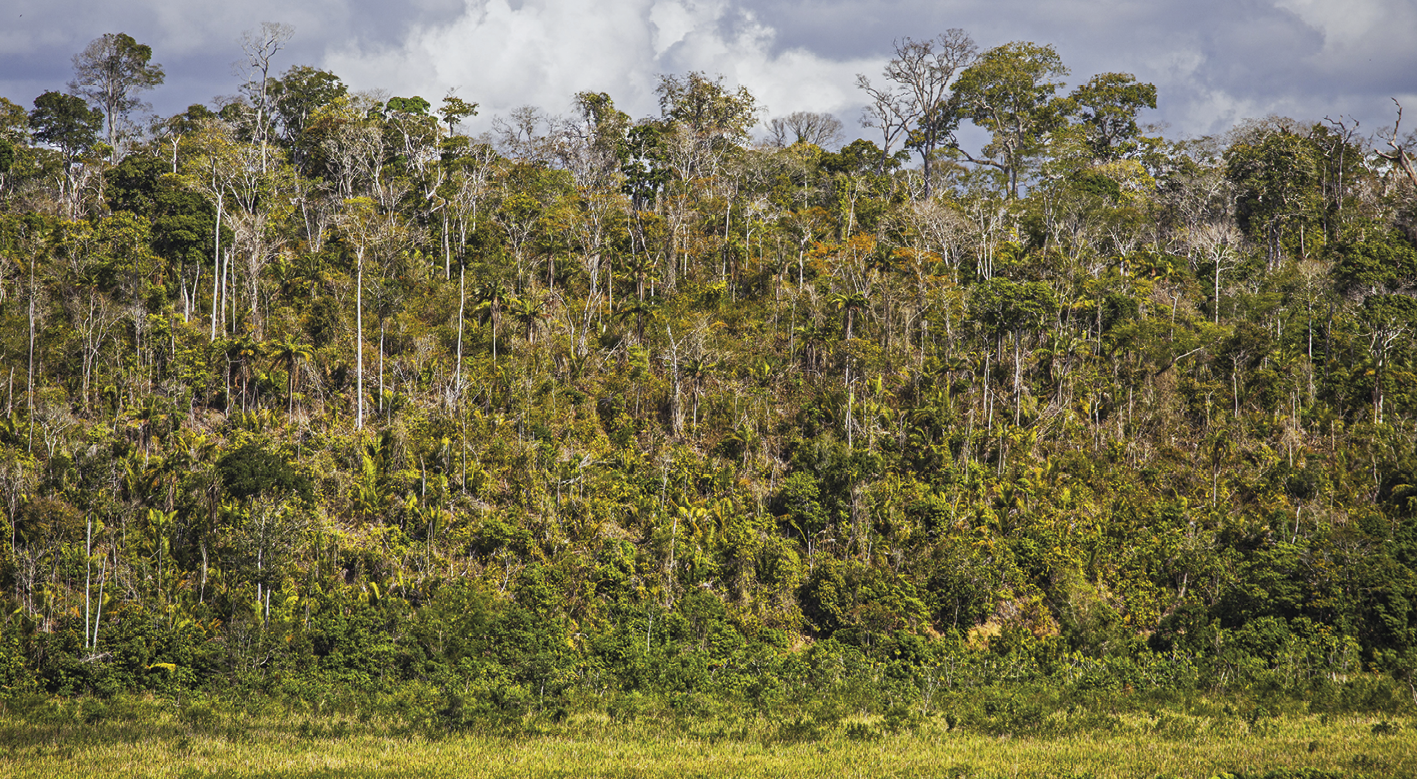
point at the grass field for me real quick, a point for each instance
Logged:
(154, 738)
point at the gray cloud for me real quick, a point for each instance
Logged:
(1214, 61)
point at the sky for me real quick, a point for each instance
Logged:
(1214, 62)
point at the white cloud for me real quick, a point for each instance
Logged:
(541, 52)
(1347, 23)
(1213, 61)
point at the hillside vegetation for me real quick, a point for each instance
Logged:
(308, 394)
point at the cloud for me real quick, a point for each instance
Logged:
(1213, 61)
(542, 52)
(196, 41)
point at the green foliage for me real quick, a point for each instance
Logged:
(66, 122)
(1107, 106)
(1382, 263)
(1010, 92)
(251, 470)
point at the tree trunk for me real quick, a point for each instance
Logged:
(216, 264)
(462, 303)
(359, 338)
(88, 576)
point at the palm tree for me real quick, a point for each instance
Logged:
(813, 342)
(697, 369)
(528, 311)
(491, 296)
(848, 303)
(639, 265)
(240, 350)
(641, 311)
(289, 351)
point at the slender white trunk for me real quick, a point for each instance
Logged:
(225, 288)
(850, 407)
(462, 304)
(88, 576)
(447, 249)
(98, 611)
(216, 265)
(29, 375)
(359, 337)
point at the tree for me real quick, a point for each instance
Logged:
(860, 157)
(1388, 318)
(65, 122)
(1005, 306)
(295, 97)
(850, 304)
(528, 311)
(1108, 104)
(111, 71)
(1275, 181)
(1401, 154)
(1010, 91)
(918, 103)
(371, 230)
(14, 131)
(454, 110)
(14, 122)
(805, 127)
(260, 46)
(1219, 242)
(710, 110)
(289, 351)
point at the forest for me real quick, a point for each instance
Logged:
(310, 395)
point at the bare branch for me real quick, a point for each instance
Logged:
(1399, 154)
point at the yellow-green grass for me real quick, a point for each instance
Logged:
(157, 742)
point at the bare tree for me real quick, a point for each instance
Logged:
(1399, 154)
(1218, 243)
(822, 130)
(373, 232)
(887, 112)
(916, 104)
(520, 135)
(261, 45)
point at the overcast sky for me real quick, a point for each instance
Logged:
(1214, 62)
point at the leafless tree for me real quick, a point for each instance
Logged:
(261, 45)
(1400, 154)
(915, 105)
(822, 130)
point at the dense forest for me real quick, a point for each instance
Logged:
(307, 390)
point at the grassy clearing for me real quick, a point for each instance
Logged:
(151, 738)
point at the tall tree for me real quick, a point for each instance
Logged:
(260, 46)
(1107, 105)
(1011, 92)
(707, 107)
(295, 97)
(1275, 179)
(67, 123)
(921, 72)
(110, 72)
(1401, 154)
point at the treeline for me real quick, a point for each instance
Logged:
(306, 391)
